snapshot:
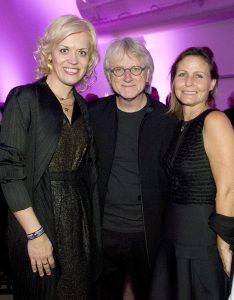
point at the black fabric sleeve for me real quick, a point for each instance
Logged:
(12, 150)
(224, 227)
(12, 164)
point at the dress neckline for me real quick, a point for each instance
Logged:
(203, 112)
(184, 124)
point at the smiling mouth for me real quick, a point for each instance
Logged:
(189, 93)
(71, 71)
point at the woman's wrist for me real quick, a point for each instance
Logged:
(35, 234)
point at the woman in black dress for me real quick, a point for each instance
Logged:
(45, 144)
(194, 260)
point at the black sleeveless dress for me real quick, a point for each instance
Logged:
(188, 266)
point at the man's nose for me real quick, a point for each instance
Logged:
(127, 75)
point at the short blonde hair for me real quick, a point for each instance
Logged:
(56, 32)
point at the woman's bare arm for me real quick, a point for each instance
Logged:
(219, 144)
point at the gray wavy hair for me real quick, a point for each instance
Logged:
(131, 47)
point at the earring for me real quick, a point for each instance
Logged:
(49, 64)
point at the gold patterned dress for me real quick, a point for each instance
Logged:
(72, 211)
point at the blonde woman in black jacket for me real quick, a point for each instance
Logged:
(45, 139)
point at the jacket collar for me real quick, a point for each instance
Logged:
(151, 103)
(48, 127)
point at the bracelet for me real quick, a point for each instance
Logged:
(35, 234)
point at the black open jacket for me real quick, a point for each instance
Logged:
(31, 127)
(155, 134)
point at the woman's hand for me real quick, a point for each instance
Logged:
(225, 254)
(40, 252)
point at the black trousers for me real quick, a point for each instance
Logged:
(123, 253)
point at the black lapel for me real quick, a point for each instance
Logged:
(106, 135)
(49, 123)
(83, 109)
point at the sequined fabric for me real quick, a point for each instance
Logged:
(72, 212)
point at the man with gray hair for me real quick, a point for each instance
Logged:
(131, 132)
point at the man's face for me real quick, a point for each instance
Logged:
(128, 86)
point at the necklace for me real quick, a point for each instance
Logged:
(66, 98)
(66, 106)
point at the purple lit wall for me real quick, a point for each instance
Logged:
(22, 22)
(166, 45)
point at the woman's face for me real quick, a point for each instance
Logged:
(192, 81)
(70, 59)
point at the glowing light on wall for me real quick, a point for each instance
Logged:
(11, 78)
(22, 23)
(163, 48)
